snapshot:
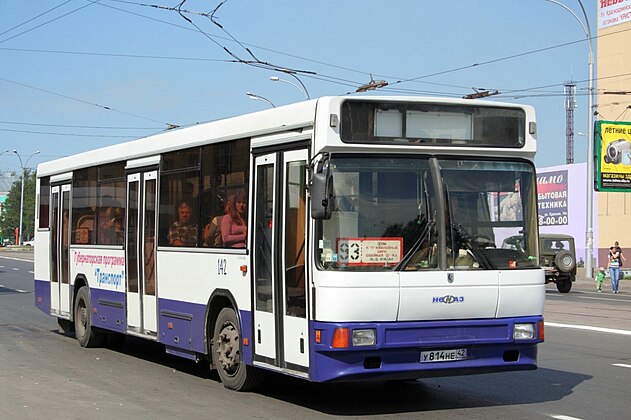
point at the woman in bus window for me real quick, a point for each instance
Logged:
(233, 226)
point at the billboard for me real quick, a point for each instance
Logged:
(613, 156)
(613, 12)
(552, 198)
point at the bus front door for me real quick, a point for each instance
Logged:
(280, 325)
(60, 251)
(140, 253)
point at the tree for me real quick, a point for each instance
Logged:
(10, 218)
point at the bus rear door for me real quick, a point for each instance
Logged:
(60, 251)
(140, 253)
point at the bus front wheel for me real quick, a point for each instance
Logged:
(226, 353)
(85, 334)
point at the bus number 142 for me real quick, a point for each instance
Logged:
(222, 267)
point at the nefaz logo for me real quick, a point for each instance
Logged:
(448, 299)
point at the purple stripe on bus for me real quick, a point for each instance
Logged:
(181, 324)
(246, 336)
(42, 295)
(110, 310)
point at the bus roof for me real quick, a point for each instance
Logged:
(286, 118)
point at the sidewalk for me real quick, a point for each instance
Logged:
(583, 283)
(13, 248)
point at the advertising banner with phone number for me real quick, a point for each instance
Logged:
(552, 198)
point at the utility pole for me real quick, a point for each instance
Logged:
(570, 104)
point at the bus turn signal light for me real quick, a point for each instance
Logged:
(340, 338)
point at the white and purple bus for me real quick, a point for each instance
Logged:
(371, 232)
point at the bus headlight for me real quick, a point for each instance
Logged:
(364, 337)
(524, 331)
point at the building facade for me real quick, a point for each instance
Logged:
(612, 210)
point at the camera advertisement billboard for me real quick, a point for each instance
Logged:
(613, 156)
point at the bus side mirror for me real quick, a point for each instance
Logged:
(321, 197)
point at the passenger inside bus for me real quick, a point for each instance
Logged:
(183, 232)
(234, 230)
(213, 205)
(212, 233)
(110, 223)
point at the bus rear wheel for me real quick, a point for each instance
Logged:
(85, 334)
(226, 354)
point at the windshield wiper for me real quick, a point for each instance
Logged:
(467, 239)
(417, 245)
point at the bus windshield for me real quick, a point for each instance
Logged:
(400, 213)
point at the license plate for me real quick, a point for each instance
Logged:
(443, 355)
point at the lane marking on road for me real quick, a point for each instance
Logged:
(15, 269)
(588, 328)
(562, 417)
(16, 259)
(622, 365)
(604, 298)
(2, 286)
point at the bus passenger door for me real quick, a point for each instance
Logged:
(264, 267)
(280, 313)
(294, 233)
(60, 251)
(140, 253)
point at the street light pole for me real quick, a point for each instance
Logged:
(4, 151)
(589, 230)
(259, 98)
(23, 166)
(302, 89)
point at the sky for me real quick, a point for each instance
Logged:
(76, 75)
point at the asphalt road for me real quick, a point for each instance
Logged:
(584, 373)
